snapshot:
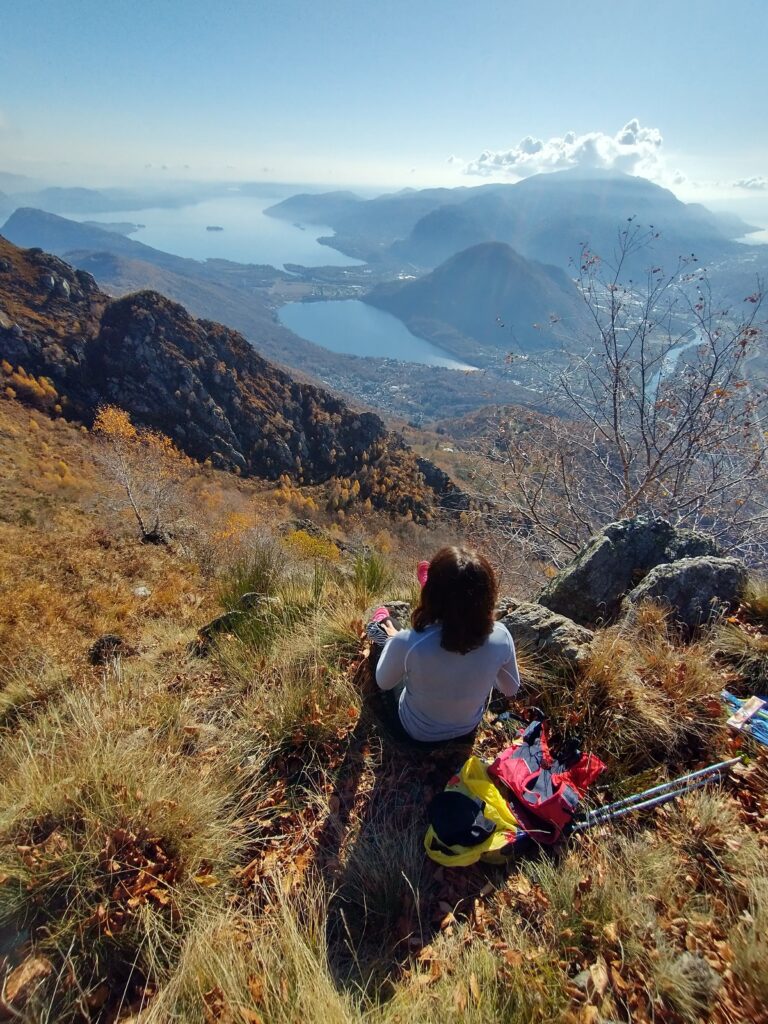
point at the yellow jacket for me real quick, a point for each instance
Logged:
(473, 780)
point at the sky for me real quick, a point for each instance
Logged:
(386, 92)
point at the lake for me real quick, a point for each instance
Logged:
(248, 236)
(355, 328)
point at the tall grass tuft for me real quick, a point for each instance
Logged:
(640, 697)
(371, 576)
(112, 847)
(755, 600)
(258, 571)
(749, 940)
(274, 969)
(27, 686)
(747, 652)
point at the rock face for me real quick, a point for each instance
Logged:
(545, 633)
(200, 383)
(696, 589)
(590, 589)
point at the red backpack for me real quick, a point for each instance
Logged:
(543, 790)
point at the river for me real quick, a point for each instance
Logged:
(669, 363)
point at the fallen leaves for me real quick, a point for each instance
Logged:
(206, 881)
(24, 979)
(598, 973)
(522, 886)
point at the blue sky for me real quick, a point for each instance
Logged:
(383, 91)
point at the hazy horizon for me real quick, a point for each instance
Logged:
(378, 98)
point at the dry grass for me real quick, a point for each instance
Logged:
(595, 932)
(233, 839)
(112, 841)
(747, 652)
(642, 699)
(28, 686)
(755, 600)
(272, 970)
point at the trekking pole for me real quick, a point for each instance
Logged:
(674, 786)
(645, 805)
(650, 797)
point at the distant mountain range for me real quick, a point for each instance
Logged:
(545, 217)
(197, 381)
(487, 294)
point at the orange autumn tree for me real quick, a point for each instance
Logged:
(149, 469)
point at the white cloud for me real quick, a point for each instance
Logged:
(453, 160)
(754, 184)
(634, 149)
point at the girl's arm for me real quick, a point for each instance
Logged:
(508, 679)
(391, 667)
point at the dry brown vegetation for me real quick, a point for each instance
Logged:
(236, 838)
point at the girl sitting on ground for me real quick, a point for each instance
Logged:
(441, 672)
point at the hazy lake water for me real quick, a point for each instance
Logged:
(248, 236)
(346, 326)
(355, 328)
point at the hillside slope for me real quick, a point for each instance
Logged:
(64, 341)
(236, 836)
(489, 293)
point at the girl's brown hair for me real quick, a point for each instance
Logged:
(460, 594)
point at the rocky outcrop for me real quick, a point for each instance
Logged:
(554, 638)
(614, 562)
(200, 383)
(209, 390)
(696, 590)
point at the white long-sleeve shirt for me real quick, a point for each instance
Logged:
(445, 692)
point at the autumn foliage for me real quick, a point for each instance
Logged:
(149, 468)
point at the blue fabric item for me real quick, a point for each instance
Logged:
(376, 634)
(757, 726)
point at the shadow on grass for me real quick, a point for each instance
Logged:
(387, 900)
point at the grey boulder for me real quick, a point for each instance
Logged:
(590, 589)
(695, 590)
(545, 633)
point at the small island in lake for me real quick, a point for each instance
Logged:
(214, 227)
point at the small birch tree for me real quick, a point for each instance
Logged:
(149, 469)
(654, 413)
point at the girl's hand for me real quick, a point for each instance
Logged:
(388, 628)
